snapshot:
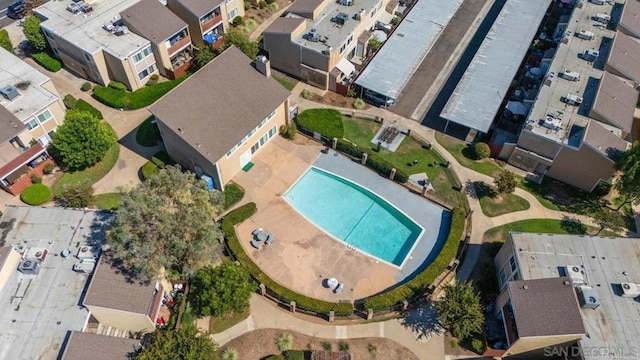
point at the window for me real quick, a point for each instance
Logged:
(32, 124)
(137, 57)
(255, 148)
(46, 32)
(350, 39)
(512, 262)
(43, 117)
(147, 51)
(152, 68)
(232, 14)
(272, 131)
(343, 47)
(502, 278)
(143, 74)
(88, 57)
(516, 276)
(205, 19)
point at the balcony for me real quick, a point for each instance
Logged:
(179, 64)
(208, 22)
(178, 45)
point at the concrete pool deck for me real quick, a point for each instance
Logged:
(302, 255)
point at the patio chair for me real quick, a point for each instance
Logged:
(339, 289)
(256, 244)
(269, 240)
(257, 231)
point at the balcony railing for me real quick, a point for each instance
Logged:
(178, 45)
(216, 19)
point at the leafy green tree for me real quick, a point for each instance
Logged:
(82, 140)
(628, 184)
(374, 43)
(481, 150)
(221, 290)
(608, 219)
(239, 39)
(203, 55)
(5, 41)
(186, 343)
(460, 311)
(506, 182)
(284, 342)
(33, 33)
(78, 195)
(168, 222)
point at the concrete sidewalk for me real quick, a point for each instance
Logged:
(264, 315)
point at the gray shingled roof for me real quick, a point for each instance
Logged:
(83, 346)
(200, 7)
(220, 104)
(616, 101)
(624, 56)
(545, 307)
(111, 288)
(10, 126)
(284, 25)
(152, 20)
(631, 16)
(304, 6)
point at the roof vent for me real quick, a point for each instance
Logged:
(341, 18)
(30, 266)
(9, 92)
(630, 290)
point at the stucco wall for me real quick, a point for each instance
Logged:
(570, 164)
(122, 320)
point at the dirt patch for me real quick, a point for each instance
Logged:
(257, 344)
(335, 99)
(260, 15)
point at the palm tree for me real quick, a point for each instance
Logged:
(284, 342)
(230, 354)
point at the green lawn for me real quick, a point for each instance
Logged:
(108, 201)
(94, 173)
(540, 226)
(220, 324)
(327, 122)
(140, 98)
(461, 151)
(148, 134)
(361, 132)
(508, 203)
(284, 82)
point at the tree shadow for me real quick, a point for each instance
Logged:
(573, 226)
(484, 190)
(422, 321)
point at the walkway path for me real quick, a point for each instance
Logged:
(264, 315)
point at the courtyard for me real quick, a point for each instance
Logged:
(302, 255)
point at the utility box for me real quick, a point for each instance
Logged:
(585, 35)
(590, 55)
(602, 18)
(570, 75)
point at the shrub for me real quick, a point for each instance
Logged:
(358, 104)
(36, 179)
(274, 357)
(48, 168)
(161, 157)
(294, 355)
(273, 7)
(36, 194)
(238, 20)
(306, 94)
(69, 101)
(284, 294)
(327, 122)
(374, 161)
(262, 4)
(78, 195)
(481, 150)
(151, 82)
(154, 77)
(269, 2)
(343, 345)
(158, 162)
(289, 131)
(5, 41)
(421, 281)
(231, 195)
(86, 86)
(118, 86)
(47, 61)
(477, 346)
(149, 170)
(247, 5)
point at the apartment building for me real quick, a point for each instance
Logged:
(582, 117)
(218, 134)
(30, 112)
(569, 296)
(94, 42)
(169, 35)
(208, 19)
(317, 38)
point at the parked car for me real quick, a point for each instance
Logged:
(17, 10)
(378, 99)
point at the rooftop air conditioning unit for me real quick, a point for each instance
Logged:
(576, 275)
(313, 35)
(30, 266)
(588, 297)
(630, 290)
(9, 92)
(36, 253)
(346, 2)
(85, 253)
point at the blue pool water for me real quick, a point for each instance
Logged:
(354, 215)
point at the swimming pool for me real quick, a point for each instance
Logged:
(354, 215)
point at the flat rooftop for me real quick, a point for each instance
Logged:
(605, 262)
(479, 94)
(28, 81)
(400, 56)
(331, 33)
(87, 30)
(549, 104)
(39, 310)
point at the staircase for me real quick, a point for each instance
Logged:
(111, 331)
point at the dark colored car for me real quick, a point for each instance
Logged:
(17, 10)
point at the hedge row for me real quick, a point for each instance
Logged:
(374, 161)
(420, 283)
(286, 295)
(47, 61)
(327, 122)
